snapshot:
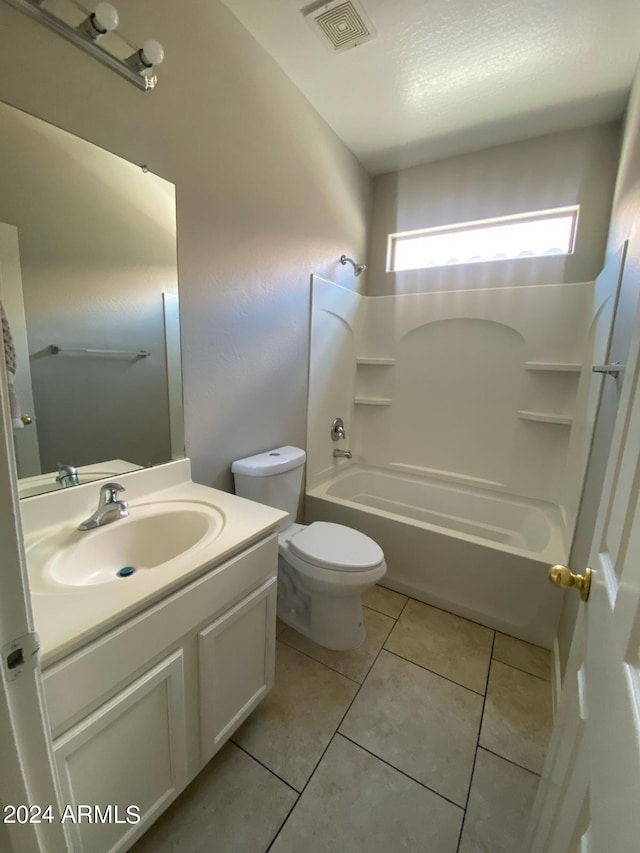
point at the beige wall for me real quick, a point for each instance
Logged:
(625, 225)
(266, 194)
(577, 166)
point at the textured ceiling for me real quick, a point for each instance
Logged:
(447, 76)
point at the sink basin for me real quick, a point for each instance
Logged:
(151, 536)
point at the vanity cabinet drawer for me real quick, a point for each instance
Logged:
(236, 656)
(76, 685)
(131, 751)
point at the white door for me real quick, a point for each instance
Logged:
(27, 776)
(589, 798)
(25, 440)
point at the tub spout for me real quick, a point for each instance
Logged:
(344, 453)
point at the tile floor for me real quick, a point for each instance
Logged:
(429, 738)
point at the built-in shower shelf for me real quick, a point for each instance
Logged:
(372, 401)
(553, 366)
(545, 418)
(381, 362)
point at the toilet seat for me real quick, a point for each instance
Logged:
(336, 547)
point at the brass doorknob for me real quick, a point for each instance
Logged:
(26, 419)
(563, 577)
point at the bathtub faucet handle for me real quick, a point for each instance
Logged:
(337, 429)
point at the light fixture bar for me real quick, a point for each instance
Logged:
(36, 11)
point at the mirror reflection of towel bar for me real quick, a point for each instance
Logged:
(614, 369)
(56, 350)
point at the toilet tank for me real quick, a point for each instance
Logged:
(273, 478)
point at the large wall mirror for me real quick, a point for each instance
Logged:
(89, 288)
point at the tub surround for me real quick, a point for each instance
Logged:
(481, 398)
(487, 387)
(67, 617)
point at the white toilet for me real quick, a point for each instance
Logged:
(323, 568)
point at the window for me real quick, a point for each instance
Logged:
(546, 232)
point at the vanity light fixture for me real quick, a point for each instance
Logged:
(137, 68)
(357, 268)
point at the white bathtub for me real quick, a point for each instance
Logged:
(479, 553)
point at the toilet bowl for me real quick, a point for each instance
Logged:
(323, 568)
(330, 566)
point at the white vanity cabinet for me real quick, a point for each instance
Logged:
(130, 751)
(237, 660)
(138, 712)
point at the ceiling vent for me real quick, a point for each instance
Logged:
(341, 24)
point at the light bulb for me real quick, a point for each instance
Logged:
(152, 52)
(100, 22)
(106, 17)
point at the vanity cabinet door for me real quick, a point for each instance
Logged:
(129, 752)
(237, 661)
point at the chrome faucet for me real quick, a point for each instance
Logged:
(110, 508)
(67, 476)
(346, 454)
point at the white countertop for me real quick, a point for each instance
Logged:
(67, 617)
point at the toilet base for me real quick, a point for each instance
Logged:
(335, 622)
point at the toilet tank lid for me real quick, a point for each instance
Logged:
(270, 462)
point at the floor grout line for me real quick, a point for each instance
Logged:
(382, 612)
(433, 672)
(317, 764)
(333, 669)
(337, 731)
(509, 760)
(359, 684)
(475, 755)
(458, 616)
(526, 642)
(526, 671)
(368, 607)
(282, 823)
(466, 619)
(491, 659)
(262, 764)
(404, 607)
(398, 770)
(322, 663)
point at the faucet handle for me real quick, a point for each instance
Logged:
(337, 429)
(109, 492)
